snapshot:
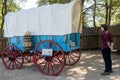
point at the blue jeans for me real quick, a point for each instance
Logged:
(107, 59)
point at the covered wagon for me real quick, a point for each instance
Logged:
(53, 32)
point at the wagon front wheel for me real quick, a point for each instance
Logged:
(12, 58)
(72, 57)
(49, 65)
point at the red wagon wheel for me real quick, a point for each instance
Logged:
(72, 57)
(49, 65)
(12, 58)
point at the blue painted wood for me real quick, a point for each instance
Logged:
(62, 40)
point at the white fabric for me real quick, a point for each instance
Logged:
(45, 20)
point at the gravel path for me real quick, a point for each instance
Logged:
(88, 68)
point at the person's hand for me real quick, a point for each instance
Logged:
(111, 48)
(114, 50)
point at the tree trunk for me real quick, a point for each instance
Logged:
(106, 6)
(82, 2)
(108, 12)
(94, 22)
(83, 15)
(109, 15)
(4, 11)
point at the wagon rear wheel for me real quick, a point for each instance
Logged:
(12, 58)
(49, 65)
(72, 57)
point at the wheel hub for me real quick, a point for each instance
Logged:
(48, 58)
(11, 58)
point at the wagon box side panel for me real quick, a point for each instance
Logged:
(17, 41)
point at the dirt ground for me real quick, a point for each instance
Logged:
(89, 67)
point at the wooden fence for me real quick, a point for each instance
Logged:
(3, 43)
(90, 38)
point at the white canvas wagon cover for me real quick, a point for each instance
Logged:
(56, 19)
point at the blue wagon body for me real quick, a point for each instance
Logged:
(63, 40)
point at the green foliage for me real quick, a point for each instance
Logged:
(12, 6)
(45, 2)
(101, 12)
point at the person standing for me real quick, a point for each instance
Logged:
(106, 49)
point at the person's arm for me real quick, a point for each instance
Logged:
(111, 43)
(108, 43)
(111, 40)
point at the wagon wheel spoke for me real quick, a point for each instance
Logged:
(52, 68)
(48, 68)
(44, 66)
(17, 54)
(56, 61)
(55, 54)
(19, 57)
(10, 64)
(28, 58)
(6, 54)
(56, 66)
(16, 64)
(13, 65)
(7, 61)
(74, 55)
(38, 55)
(59, 60)
(18, 61)
(69, 59)
(9, 53)
(72, 58)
